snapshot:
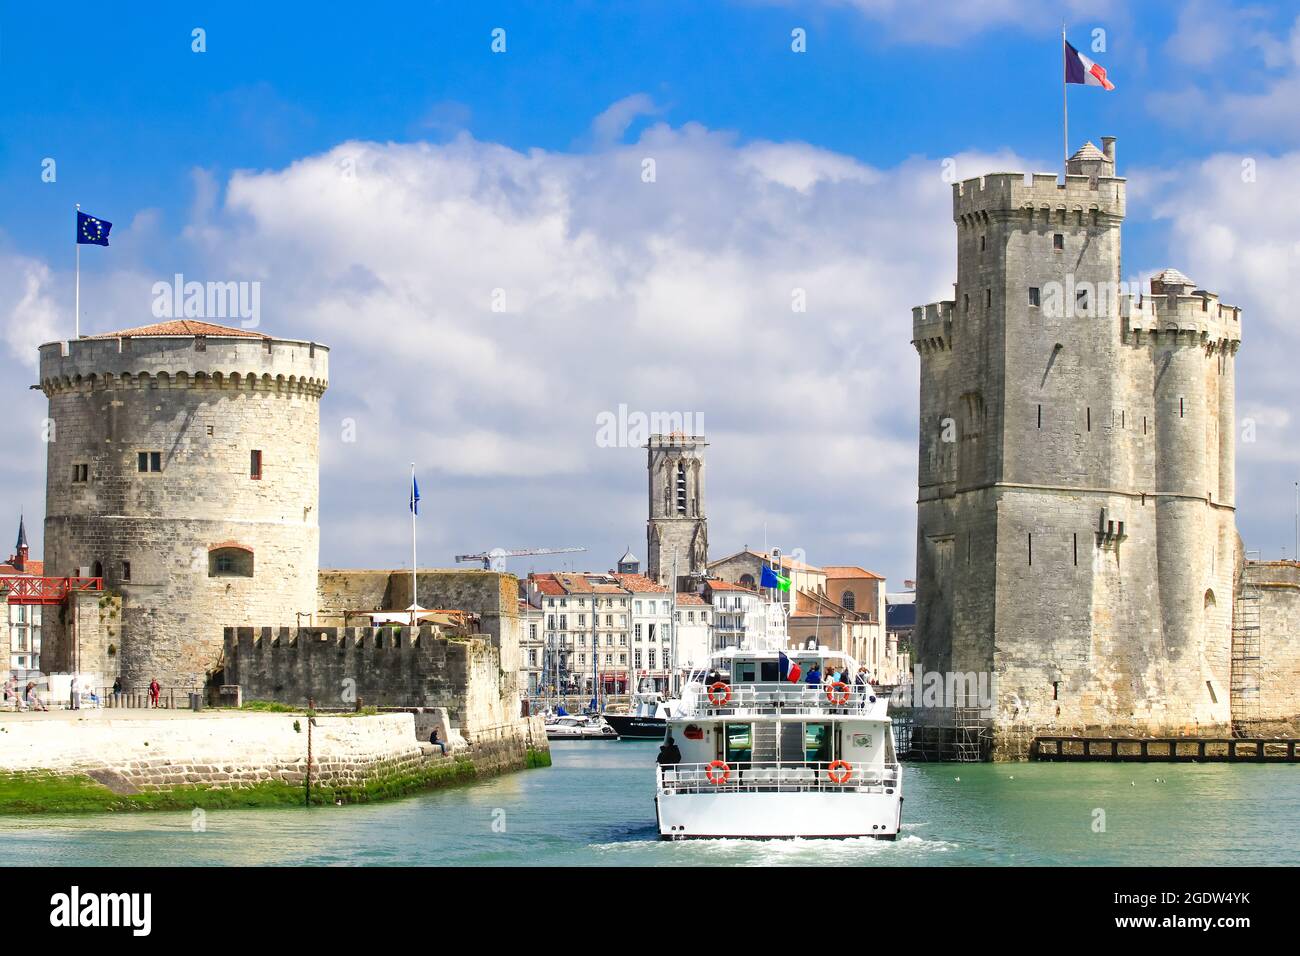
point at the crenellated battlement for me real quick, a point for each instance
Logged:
(932, 327)
(1198, 316)
(1038, 197)
(253, 363)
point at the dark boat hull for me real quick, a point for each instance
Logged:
(630, 727)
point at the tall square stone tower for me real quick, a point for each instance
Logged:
(677, 533)
(1076, 535)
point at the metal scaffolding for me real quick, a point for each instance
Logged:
(1244, 690)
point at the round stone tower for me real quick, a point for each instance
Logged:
(183, 468)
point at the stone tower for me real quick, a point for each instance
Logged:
(678, 528)
(1076, 534)
(183, 469)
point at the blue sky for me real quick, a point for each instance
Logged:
(824, 165)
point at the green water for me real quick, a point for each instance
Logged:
(595, 807)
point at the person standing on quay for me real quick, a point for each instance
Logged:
(154, 689)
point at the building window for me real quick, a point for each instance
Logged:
(1081, 301)
(1058, 242)
(230, 562)
(210, 431)
(988, 298)
(746, 581)
(847, 601)
(255, 465)
(80, 473)
(681, 487)
(982, 243)
(532, 632)
(637, 629)
(1034, 300)
(126, 570)
(652, 658)
(965, 302)
(147, 461)
(636, 658)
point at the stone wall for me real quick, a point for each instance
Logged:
(384, 667)
(203, 405)
(1278, 585)
(220, 750)
(492, 595)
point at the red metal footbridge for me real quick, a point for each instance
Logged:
(29, 589)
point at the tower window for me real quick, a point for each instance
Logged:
(848, 601)
(230, 561)
(1081, 300)
(1089, 411)
(681, 487)
(1031, 550)
(1076, 549)
(965, 302)
(1180, 408)
(1058, 242)
(255, 465)
(982, 243)
(1040, 416)
(988, 298)
(126, 570)
(147, 461)
(1033, 296)
(80, 473)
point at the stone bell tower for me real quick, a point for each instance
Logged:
(677, 530)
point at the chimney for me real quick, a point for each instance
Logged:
(1108, 149)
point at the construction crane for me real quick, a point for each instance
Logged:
(498, 555)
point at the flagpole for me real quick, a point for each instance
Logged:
(1065, 103)
(414, 589)
(77, 302)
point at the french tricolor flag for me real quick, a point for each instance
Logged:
(1080, 69)
(790, 670)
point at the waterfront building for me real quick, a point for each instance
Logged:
(741, 615)
(24, 620)
(532, 648)
(586, 631)
(692, 630)
(652, 615)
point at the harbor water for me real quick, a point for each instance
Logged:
(594, 807)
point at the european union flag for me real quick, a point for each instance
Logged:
(415, 496)
(92, 231)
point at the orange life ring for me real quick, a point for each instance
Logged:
(721, 778)
(719, 693)
(838, 697)
(839, 771)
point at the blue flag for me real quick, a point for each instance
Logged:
(415, 496)
(92, 231)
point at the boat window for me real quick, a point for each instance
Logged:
(740, 746)
(769, 671)
(816, 742)
(744, 672)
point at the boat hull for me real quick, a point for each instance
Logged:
(776, 815)
(631, 727)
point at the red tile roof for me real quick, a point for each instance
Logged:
(850, 571)
(183, 327)
(688, 599)
(546, 584)
(640, 583)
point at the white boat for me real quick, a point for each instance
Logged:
(763, 757)
(578, 727)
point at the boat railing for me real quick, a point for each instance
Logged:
(836, 776)
(722, 699)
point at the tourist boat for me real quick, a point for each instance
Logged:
(764, 756)
(578, 727)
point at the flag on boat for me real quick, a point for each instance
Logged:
(789, 669)
(773, 580)
(415, 496)
(1080, 69)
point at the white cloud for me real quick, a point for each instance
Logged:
(673, 295)
(1240, 238)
